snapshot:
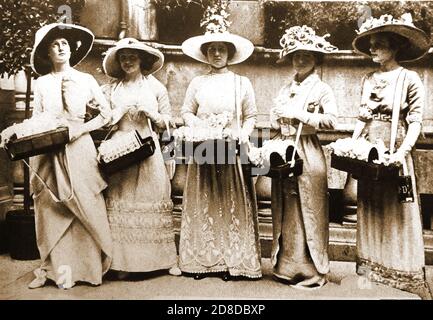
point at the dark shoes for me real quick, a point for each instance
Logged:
(226, 276)
(199, 276)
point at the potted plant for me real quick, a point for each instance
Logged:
(19, 22)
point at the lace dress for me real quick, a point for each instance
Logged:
(219, 231)
(139, 197)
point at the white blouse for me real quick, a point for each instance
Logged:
(215, 93)
(79, 90)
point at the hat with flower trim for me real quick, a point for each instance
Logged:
(216, 23)
(418, 39)
(303, 38)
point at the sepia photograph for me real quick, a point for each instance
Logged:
(196, 151)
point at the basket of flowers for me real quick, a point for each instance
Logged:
(363, 159)
(123, 151)
(208, 140)
(276, 159)
(40, 134)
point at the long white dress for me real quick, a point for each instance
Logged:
(219, 231)
(138, 198)
(72, 234)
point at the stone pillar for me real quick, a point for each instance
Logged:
(142, 20)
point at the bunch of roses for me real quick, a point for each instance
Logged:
(220, 120)
(112, 149)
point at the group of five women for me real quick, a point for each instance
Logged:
(219, 228)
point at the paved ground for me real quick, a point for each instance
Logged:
(344, 284)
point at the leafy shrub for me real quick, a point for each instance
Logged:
(19, 22)
(338, 18)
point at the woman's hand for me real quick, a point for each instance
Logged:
(365, 113)
(277, 112)
(290, 113)
(397, 157)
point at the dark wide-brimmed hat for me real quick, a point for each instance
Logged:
(243, 47)
(419, 42)
(80, 40)
(111, 64)
(303, 38)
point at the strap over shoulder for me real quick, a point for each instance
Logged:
(398, 100)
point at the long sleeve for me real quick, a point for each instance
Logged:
(190, 105)
(163, 116)
(416, 101)
(249, 108)
(415, 98)
(273, 118)
(37, 100)
(98, 100)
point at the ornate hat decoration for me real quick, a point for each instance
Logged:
(418, 39)
(216, 23)
(303, 38)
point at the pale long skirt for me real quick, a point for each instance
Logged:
(140, 215)
(219, 231)
(73, 235)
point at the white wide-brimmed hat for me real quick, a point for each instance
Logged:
(111, 63)
(303, 38)
(80, 39)
(419, 41)
(243, 47)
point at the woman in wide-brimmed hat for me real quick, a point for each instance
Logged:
(300, 204)
(389, 238)
(72, 228)
(219, 231)
(139, 197)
